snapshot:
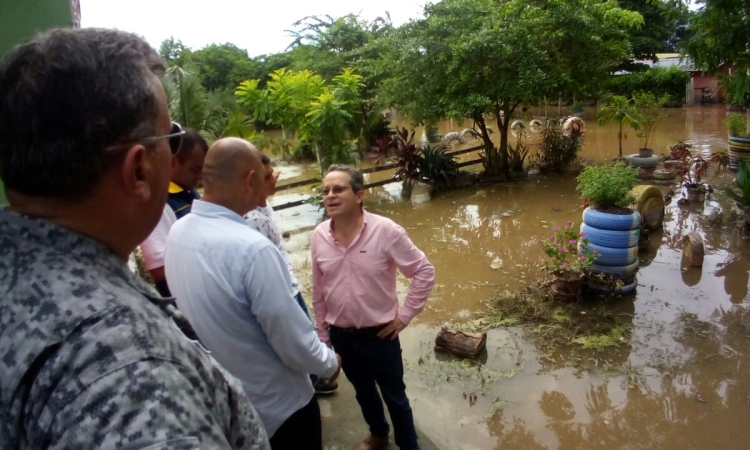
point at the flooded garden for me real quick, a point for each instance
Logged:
(669, 373)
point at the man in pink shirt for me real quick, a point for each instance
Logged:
(354, 257)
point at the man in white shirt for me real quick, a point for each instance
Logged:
(234, 288)
(261, 220)
(186, 172)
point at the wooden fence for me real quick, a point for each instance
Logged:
(364, 171)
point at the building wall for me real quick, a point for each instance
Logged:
(21, 19)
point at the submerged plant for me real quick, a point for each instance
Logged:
(743, 183)
(557, 151)
(437, 167)
(737, 125)
(517, 155)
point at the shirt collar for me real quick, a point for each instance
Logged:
(208, 209)
(365, 217)
(174, 189)
(65, 240)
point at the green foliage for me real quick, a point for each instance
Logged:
(736, 87)
(408, 156)
(518, 154)
(737, 125)
(743, 183)
(649, 111)
(562, 252)
(664, 27)
(656, 80)
(721, 35)
(557, 151)
(621, 110)
(476, 58)
(607, 185)
(437, 167)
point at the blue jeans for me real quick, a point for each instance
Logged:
(366, 360)
(301, 303)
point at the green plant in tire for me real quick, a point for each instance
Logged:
(437, 167)
(737, 125)
(743, 183)
(607, 187)
(561, 250)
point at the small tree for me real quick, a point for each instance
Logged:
(649, 111)
(621, 110)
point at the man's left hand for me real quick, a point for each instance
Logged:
(392, 329)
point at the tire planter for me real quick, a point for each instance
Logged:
(637, 161)
(614, 222)
(645, 152)
(693, 250)
(649, 202)
(535, 125)
(610, 238)
(664, 174)
(516, 127)
(646, 173)
(573, 125)
(611, 256)
(625, 272)
(739, 150)
(421, 192)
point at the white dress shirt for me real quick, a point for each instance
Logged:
(261, 220)
(234, 288)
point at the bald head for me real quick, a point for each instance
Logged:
(233, 175)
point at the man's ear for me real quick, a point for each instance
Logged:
(250, 180)
(361, 196)
(135, 172)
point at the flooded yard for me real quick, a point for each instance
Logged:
(678, 378)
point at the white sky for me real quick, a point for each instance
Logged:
(257, 26)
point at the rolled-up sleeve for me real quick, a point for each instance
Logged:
(413, 263)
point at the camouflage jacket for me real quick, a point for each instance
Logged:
(92, 357)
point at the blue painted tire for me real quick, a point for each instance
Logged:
(607, 221)
(617, 272)
(638, 161)
(608, 256)
(611, 238)
(625, 290)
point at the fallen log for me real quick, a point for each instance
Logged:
(460, 343)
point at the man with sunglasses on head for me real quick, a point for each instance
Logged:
(187, 171)
(92, 356)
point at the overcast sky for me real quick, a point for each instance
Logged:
(257, 26)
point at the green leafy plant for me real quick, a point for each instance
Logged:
(607, 186)
(557, 151)
(517, 155)
(737, 125)
(743, 183)
(680, 151)
(692, 173)
(649, 111)
(621, 110)
(658, 81)
(720, 160)
(562, 252)
(437, 167)
(408, 156)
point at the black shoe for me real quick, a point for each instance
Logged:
(323, 387)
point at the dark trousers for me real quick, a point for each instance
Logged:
(301, 431)
(367, 360)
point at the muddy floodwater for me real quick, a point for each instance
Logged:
(680, 380)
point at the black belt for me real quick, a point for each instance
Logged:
(365, 331)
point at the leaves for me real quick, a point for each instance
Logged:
(607, 185)
(743, 183)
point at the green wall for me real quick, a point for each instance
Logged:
(21, 19)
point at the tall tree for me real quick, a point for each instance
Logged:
(482, 59)
(223, 66)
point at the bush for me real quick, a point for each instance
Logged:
(737, 89)
(437, 167)
(737, 125)
(607, 186)
(557, 151)
(656, 80)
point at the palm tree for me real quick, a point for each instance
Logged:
(214, 114)
(622, 110)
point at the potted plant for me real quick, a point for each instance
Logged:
(611, 229)
(621, 110)
(742, 199)
(437, 168)
(739, 140)
(679, 153)
(566, 268)
(516, 158)
(648, 113)
(692, 177)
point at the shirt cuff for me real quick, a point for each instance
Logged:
(404, 316)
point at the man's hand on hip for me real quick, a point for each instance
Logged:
(392, 329)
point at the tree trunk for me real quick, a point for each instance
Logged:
(503, 126)
(619, 138)
(559, 103)
(318, 155)
(459, 343)
(283, 144)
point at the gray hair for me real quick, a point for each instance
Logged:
(355, 176)
(65, 96)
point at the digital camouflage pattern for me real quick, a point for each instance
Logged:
(92, 357)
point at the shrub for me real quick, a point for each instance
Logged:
(437, 167)
(607, 186)
(656, 80)
(743, 183)
(737, 125)
(562, 252)
(557, 150)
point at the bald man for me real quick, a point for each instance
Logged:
(233, 286)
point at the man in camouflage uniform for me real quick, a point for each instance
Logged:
(90, 355)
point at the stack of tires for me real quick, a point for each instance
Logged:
(739, 150)
(646, 163)
(614, 238)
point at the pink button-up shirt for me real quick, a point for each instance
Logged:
(356, 286)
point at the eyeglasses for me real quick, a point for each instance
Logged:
(175, 140)
(335, 190)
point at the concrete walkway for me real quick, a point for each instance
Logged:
(343, 425)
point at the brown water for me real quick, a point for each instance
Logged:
(681, 381)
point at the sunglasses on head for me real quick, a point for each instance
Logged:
(175, 140)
